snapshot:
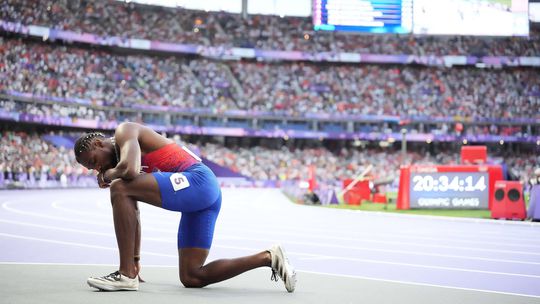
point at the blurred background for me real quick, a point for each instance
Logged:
(300, 95)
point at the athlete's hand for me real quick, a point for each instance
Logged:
(101, 181)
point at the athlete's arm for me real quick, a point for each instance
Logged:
(129, 166)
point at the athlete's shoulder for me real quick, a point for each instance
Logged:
(128, 125)
(127, 130)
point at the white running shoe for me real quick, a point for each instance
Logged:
(114, 282)
(282, 268)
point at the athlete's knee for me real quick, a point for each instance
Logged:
(192, 282)
(192, 279)
(118, 188)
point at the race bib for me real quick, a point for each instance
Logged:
(179, 181)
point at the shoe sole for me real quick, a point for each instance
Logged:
(111, 288)
(291, 280)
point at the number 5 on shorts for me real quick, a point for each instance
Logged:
(179, 181)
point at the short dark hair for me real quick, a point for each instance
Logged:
(83, 143)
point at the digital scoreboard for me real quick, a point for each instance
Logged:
(383, 16)
(467, 190)
(447, 187)
(424, 17)
(466, 17)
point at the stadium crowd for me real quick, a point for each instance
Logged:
(100, 77)
(287, 163)
(57, 110)
(107, 117)
(27, 160)
(34, 159)
(291, 89)
(130, 20)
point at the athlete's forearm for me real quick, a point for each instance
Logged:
(111, 174)
(120, 171)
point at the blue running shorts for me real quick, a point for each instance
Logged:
(195, 192)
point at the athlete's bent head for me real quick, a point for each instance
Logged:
(95, 151)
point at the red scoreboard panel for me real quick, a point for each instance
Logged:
(447, 187)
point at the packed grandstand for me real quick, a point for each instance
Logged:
(339, 117)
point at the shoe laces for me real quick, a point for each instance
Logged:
(113, 276)
(279, 272)
(274, 276)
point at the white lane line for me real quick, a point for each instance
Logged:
(57, 205)
(475, 234)
(105, 234)
(359, 248)
(15, 236)
(77, 264)
(421, 284)
(301, 271)
(152, 220)
(231, 237)
(408, 244)
(428, 218)
(504, 241)
(116, 249)
(291, 253)
(501, 234)
(6, 206)
(148, 218)
(472, 234)
(415, 237)
(329, 257)
(319, 258)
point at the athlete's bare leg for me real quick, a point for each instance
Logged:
(124, 197)
(137, 252)
(193, 272)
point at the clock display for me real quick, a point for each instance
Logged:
(464, 190)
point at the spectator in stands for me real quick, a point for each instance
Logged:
(27, 160)
(124, 19)
(290, 89)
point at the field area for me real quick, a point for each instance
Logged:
(391, 208)
(508, 3)
(369, 206)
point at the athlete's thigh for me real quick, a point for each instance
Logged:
(196, 229)
(189, 191)
(142, 188)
